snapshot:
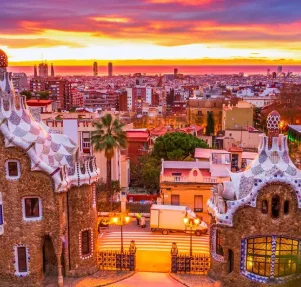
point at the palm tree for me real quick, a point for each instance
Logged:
(108, 136)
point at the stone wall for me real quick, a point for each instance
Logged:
(16, 230)
(249, 221)
(82, 216)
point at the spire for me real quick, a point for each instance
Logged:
(273, 122)
(52, 70)
(35, 71)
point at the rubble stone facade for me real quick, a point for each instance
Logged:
(48, 218)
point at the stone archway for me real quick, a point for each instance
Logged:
(49, 258)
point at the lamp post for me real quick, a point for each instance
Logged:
(191, 222)
(121, 219)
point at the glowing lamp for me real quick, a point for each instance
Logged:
(186, 220)
(127, 219)
(196, 221)
(115, 220)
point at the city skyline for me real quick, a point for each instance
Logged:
(152, 30)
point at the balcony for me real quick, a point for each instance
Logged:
(187, 179)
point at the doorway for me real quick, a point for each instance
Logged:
(49, 258)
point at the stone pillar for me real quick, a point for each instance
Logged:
(60, 278)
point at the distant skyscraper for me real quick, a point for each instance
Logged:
(35, 71)
(274, 75)
(175, 72)
(43, 70)
(95, 69)
(52, 70)
(279, 70)
(110, 69)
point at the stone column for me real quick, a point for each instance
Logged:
(60, 277)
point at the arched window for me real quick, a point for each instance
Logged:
(275, 206)
(219, 243)
(286, 207)
(264, 207)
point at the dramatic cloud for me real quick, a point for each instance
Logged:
(235, 24)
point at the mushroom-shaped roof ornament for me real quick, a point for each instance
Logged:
(273, 121)
(3, 59)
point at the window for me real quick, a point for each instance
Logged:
(231, 260)
(175, 199)
(21, 259)
(275, 206)
(177, 176)
(198, 203)
(286, 207)
(32, 208)
(261, 256)
(219, 243)
(12, 169)
(86, 237)
(264, 207)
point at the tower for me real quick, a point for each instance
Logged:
(35, 72)
(43, 70)
(110, 69)
(52, 70)
(175, 73)
(95, 69)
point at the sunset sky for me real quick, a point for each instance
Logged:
(209, 30)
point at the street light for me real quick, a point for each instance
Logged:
(191, 222)
(121, 219)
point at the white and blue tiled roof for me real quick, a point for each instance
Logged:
(50, 152)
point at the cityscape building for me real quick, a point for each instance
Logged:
(20, 82)
(110, 69)
(95, 69)
(52, 70)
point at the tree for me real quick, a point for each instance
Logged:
(176, 146)
(108, 136)
(257, 119)
(146, 173)
(27, 94)
(210, 124)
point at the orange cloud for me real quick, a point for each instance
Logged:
(112, 19)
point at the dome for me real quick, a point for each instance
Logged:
(273, 120)
(3, 59)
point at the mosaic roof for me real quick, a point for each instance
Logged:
(49, 151)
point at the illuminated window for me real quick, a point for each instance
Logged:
(261, 256)
(286, 256)
(219, 243)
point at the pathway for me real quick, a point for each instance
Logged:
(147, 279)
